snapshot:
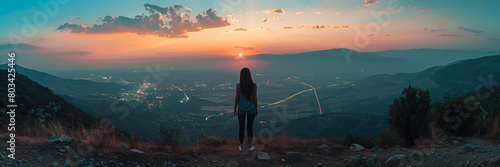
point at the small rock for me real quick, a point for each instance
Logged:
(60, 138)
(282, 160)
(393, 160)
(371, 160)
(494, 161)
(319, 164)
(400, 156)
(470, 147)
(357, 147)
(39, 159)
(416, 155)
(483, 150)
(323, 146)
(263, 156)
(292, 156)
(123, 146)
(136, 151)
(455, 143)
(67, 147)
(355, 160)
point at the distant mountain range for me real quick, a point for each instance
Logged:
(426, 58)
(346, 63)
(373, 94)
(351, 64)
(68, 86)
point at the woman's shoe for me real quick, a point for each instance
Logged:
(251, 149)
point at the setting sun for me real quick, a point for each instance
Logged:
(240, 54)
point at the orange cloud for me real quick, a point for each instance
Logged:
(240, 29)
(369, 2)
(154, 24)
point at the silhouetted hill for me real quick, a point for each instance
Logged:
(468, 75)
(457, 78)
(357, 64)
(37, 105)
(434, 57)
(68, 86)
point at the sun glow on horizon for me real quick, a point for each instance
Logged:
(241, 54)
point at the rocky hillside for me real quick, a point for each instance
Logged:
(37, 107)
(65, 151)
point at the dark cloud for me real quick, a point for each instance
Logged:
(369, 2)
(18, 46)
(240, 29)
(470, 30)
(277, 11)
(435, 30)
(170, 22)
(165, 10)
(318, 27)
(442, 32)
(450, 35)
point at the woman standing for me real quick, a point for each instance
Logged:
(245, 105)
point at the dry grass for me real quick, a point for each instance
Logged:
(112, 140)
(211, 144)
(96, 137)
(283, 144)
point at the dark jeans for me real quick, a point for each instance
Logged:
(241, 120)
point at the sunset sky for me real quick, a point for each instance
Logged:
(88, 34)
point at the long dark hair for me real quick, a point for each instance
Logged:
(246, 83)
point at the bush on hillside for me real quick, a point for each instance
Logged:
(389, 138)
(462, 116)
(409, 114)
(169, 136)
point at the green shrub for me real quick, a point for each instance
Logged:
(389, 138)
(409, 114)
